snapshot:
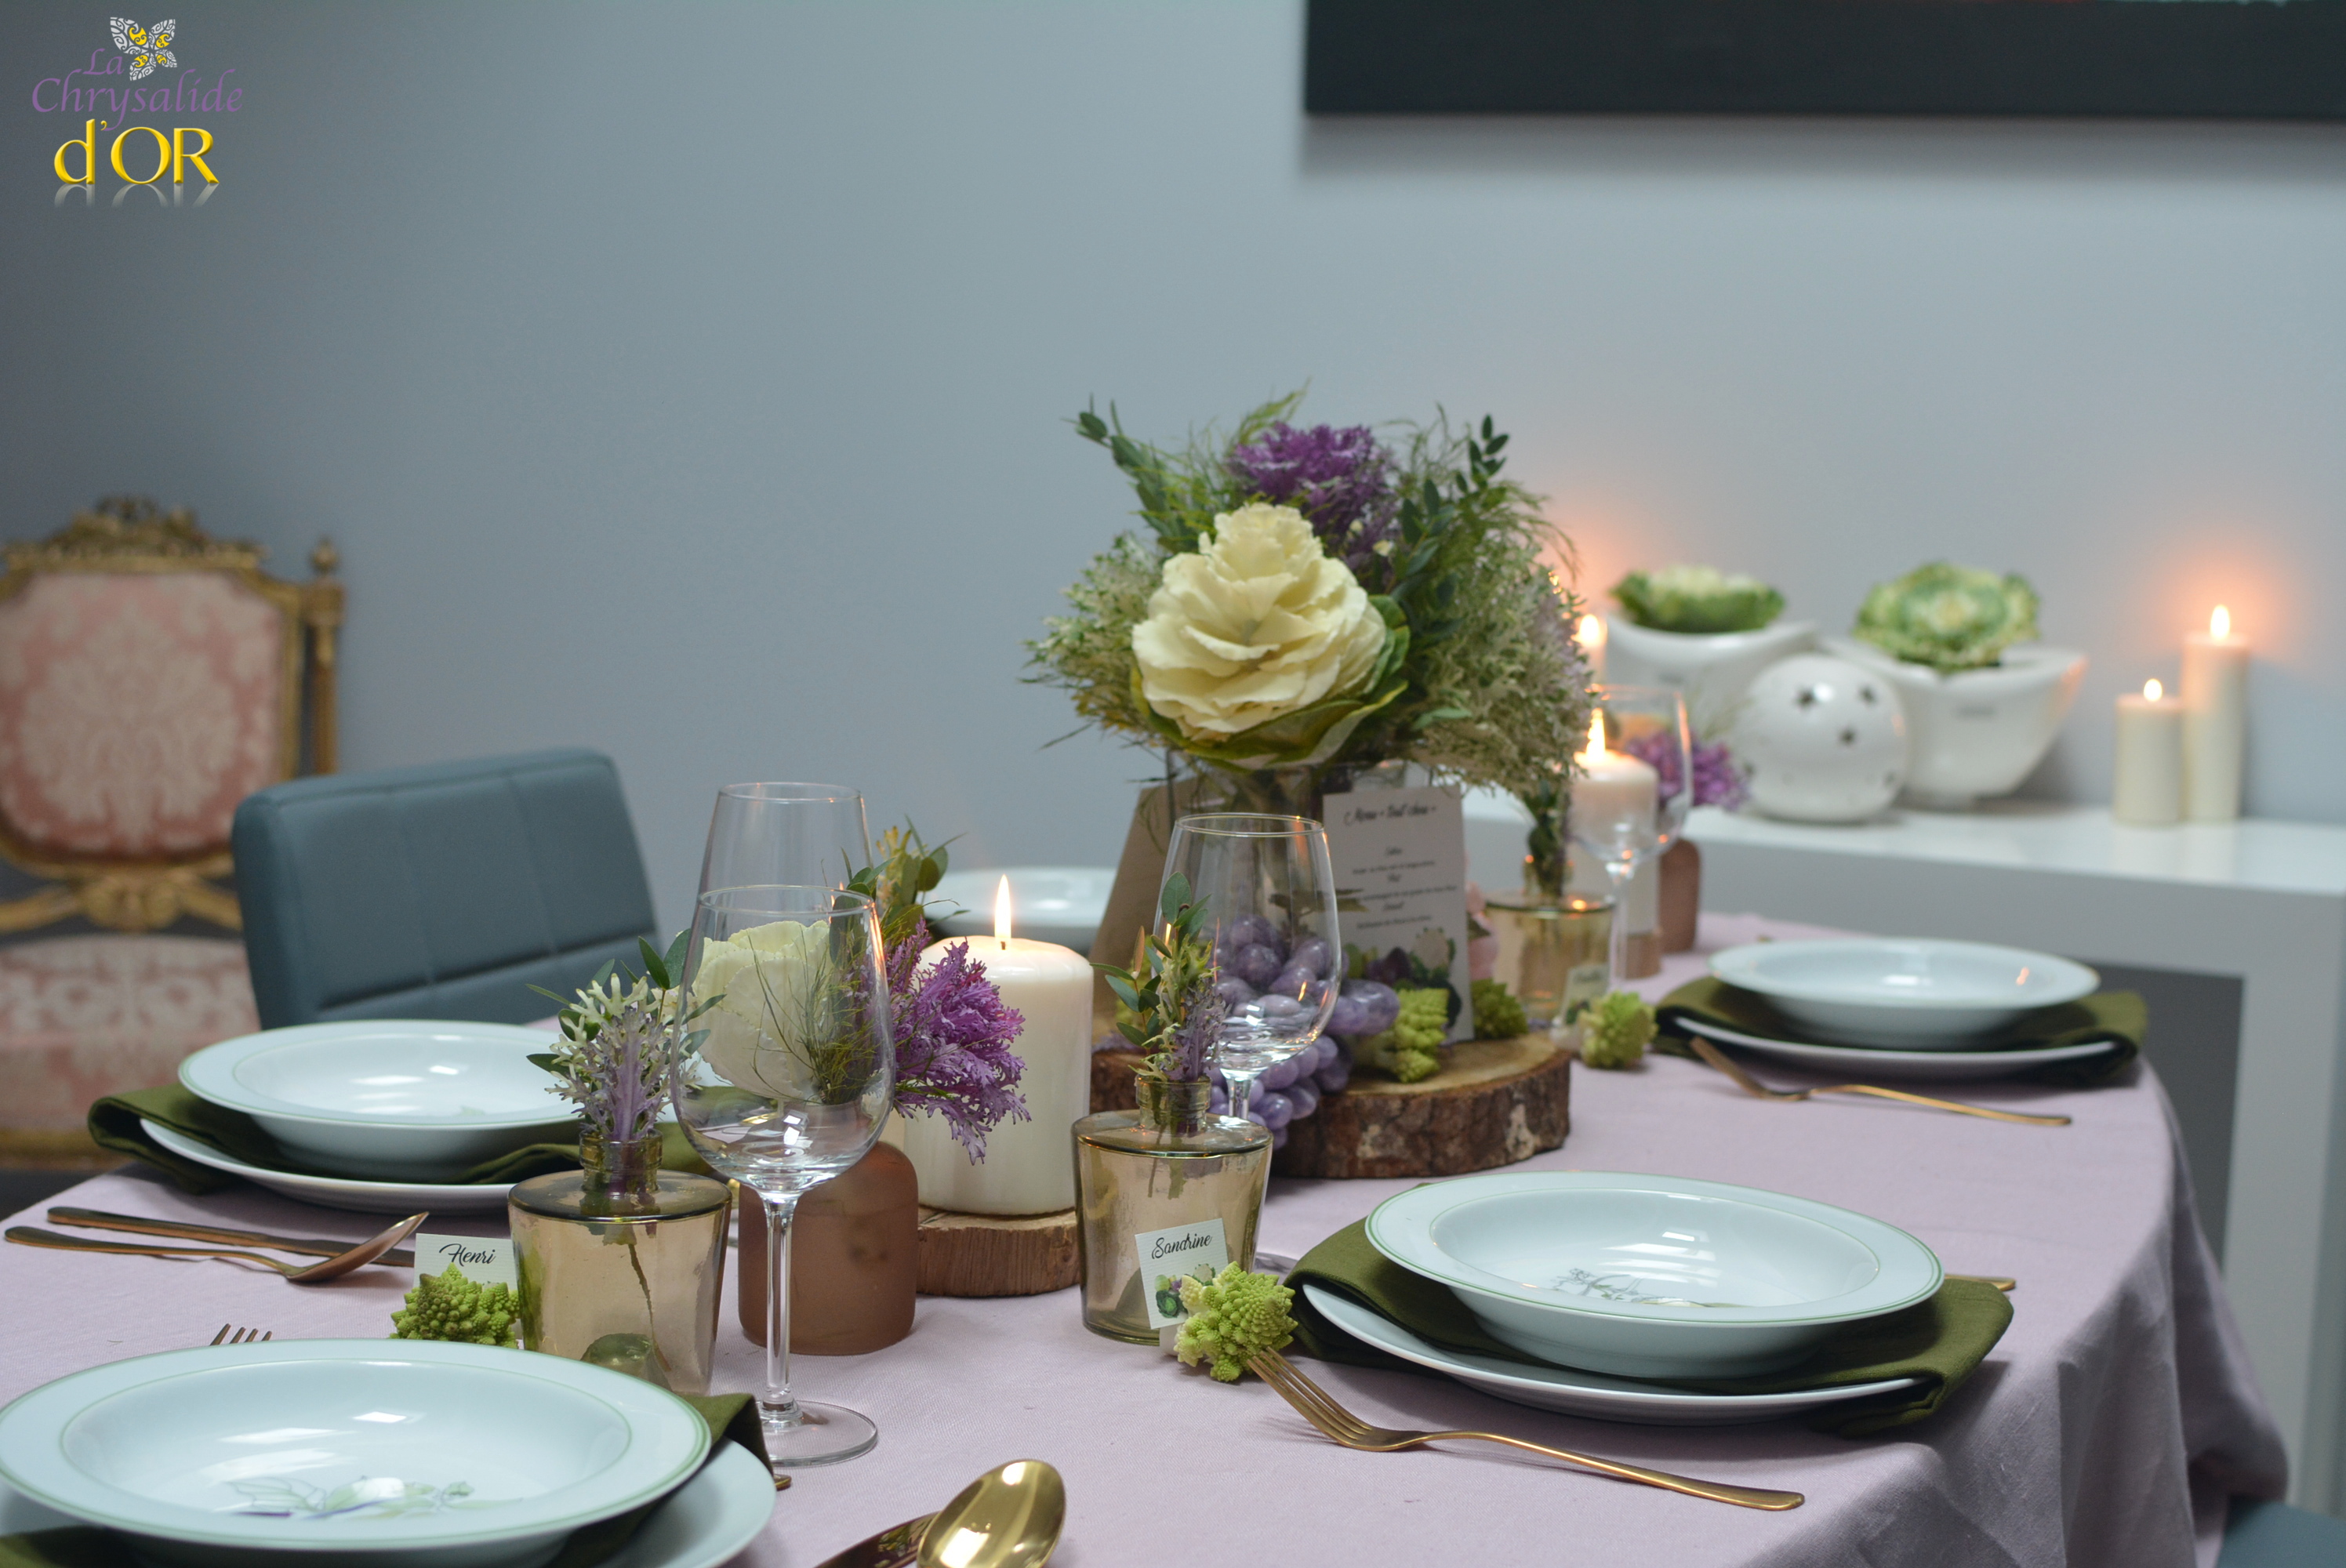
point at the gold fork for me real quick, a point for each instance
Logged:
(233, 1336)
(1751, 1086)
(1312, 1403)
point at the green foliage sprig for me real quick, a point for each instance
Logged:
(1167, 1006)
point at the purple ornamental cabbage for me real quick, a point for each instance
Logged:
(1340, 480)
(953, 1042)
(1717, 780)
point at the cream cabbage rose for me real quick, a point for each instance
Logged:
(775, 1010)
(1257, 624)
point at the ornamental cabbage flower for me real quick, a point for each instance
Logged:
(1948, 616)
(1256, 625)
(774, 981)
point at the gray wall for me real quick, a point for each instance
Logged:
(689, 380)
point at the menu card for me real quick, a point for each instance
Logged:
(1400, 870)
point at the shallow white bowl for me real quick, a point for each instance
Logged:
(1904, 992)
(395, 1453)
(415, 1100)
(1048, 903)
(1648, 1276)
(1714, 669)
(1977, 731)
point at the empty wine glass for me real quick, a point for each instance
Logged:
(1269, 900)
(786, 1085)
(1630, 798)
(764, 835)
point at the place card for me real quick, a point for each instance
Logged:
(484, 1259)
(1401, 867)
(1178, 1252)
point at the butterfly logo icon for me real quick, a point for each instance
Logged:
(146, 47)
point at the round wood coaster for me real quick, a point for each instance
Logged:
(997, 1255)
(1499, 1101)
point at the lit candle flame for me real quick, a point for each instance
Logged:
(1591, 632)
(2219, 625)
(2152, 691)
(1002, 912)
(1595, 738)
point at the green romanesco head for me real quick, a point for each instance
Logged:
(1615, 1029)
(1237, 1316)
(1698, 600)
(1411, 1048)
(1950, 617)
(449, 1307)
(1498, 1015)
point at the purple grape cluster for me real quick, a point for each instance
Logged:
(1261, 972)
(1293, 1088)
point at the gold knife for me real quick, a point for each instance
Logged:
(317, 1246)
(892, 1548)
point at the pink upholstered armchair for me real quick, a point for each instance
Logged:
(150, 678)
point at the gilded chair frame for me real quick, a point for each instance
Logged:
(131, 534)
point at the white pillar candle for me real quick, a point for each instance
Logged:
(2215, 719)
(1030, 1166)
(1613, 804)
(1592, 635)
(2147, 790)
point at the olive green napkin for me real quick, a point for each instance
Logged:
(731, 1418)
(114, 1125)
(2117, 1018)
(1938, 1342)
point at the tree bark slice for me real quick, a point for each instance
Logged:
(997, 1255)
(1499, 1101)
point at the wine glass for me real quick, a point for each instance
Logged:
(763, 835)
(788, 1081)
(1629, 802)
(1269, 900)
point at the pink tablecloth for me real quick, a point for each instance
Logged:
(2106, 1429)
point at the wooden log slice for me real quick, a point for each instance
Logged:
(1497, 1102)
(997, 1255)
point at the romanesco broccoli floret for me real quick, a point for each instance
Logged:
(1498, 1014)
(451, 1307)
(1411, 1048)
(1615, 1030)
(1236, 1318)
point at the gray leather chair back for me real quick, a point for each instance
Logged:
(441, 891)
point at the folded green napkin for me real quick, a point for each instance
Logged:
(731, 1418)
(114, 1125)
(2117, 1018)
(1938, 1342)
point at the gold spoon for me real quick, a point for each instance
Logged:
(1007, 1517)
(334, 1268)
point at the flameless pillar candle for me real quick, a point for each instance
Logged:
(1592, 635)
(1030, 1166)
(2215, 719)
(2149, 788)
(1619, 788)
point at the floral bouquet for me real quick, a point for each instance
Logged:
(1311, 599)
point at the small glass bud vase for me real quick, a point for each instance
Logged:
(622, 1254)
(1156, 1188)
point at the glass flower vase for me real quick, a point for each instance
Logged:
(1156, 1188)
(622, 1262)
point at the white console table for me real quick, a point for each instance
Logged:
(2262, 902)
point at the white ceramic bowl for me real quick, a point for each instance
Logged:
(412, 1100)
(1714, 669)
(1649, 1275)
(1048, 903)
(1978, 731)
(394, 1453)
(1905, 993)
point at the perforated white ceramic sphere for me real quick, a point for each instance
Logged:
(1822, 739)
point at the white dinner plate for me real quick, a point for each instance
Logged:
(704, 1524)
(338, 1192)
(1578, 1393)
(1917, 1066)
(1915, 992)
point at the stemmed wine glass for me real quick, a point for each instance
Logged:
(1269, 900)
(786, 1085)
(801, 834)
(1622, 819)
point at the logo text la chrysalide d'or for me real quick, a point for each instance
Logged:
(104, 85)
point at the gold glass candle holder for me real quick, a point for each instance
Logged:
(1169, 1168)
(1553, 953)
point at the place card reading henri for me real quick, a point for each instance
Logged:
(484, 1259)
(1178, 1252)
(1402, 855)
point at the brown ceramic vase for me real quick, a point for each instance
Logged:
(855, 1259)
